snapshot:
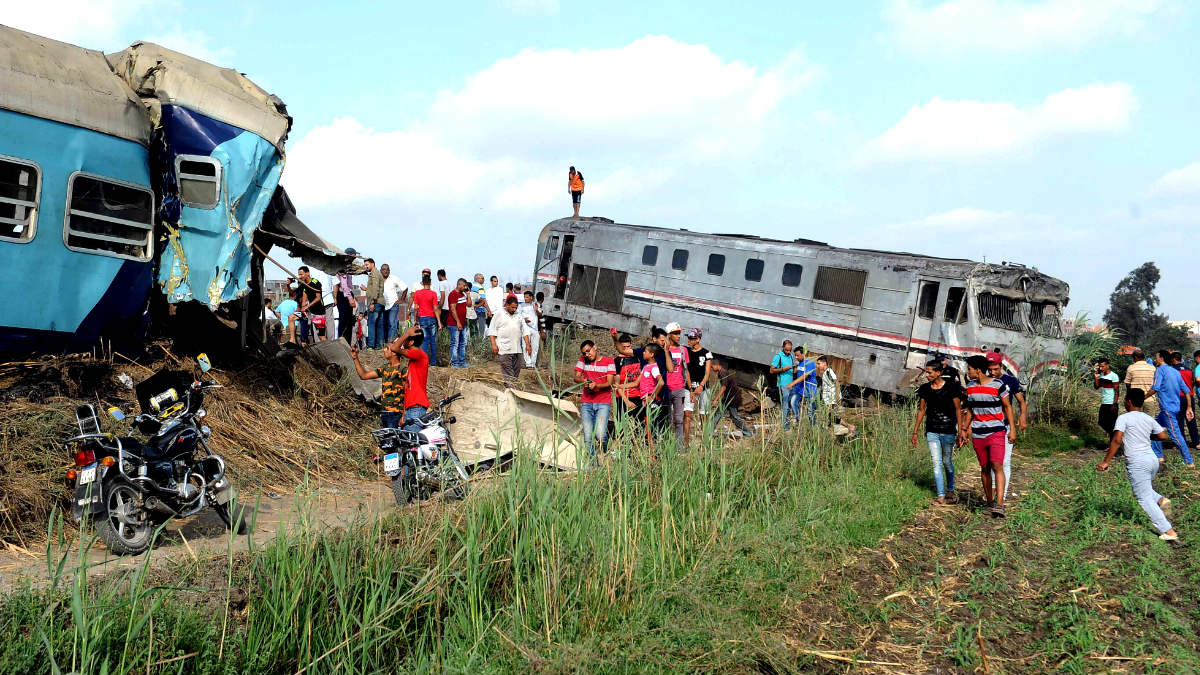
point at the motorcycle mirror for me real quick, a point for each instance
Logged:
(205, 364)
(116, 413)
(452, 420)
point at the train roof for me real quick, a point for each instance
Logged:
(163, 76)
(57, 81)
(1009, 279)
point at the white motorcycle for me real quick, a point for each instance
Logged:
(420, 463)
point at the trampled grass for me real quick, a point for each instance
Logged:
(685, 562)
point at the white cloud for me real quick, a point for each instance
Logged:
(955, 130)
(958, 26)
(628, 117)
(1179, 181)
(96, 24)
(531, 6)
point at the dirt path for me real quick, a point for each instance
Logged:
(1074, 580)
(204, 536)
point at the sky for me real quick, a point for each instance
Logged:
(1059, 134)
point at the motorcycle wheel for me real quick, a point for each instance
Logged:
(456, 476)
(121, 537)
(401, 486)
(241, 525)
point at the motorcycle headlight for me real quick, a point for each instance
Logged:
(201, 413)
(205, 431)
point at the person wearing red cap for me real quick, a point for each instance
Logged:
(995, 361)
(509, 336)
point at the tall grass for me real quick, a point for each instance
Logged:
(684, 562)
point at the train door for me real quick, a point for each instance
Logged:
(564, 267)
(926, 322)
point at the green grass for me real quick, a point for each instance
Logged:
(687, 562)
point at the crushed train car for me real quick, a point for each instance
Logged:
(877, 315)
(138, 179)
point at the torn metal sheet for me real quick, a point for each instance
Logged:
(281, 227)
(1019, 283)
(495, 424)
(57, 81)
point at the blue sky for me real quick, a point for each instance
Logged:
(1059, 134)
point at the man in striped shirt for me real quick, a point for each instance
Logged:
(991, 422)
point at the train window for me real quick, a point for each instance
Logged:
(649, 256)
(954, 305)
(754, 269)
(792, 274)
(999, 311)
(199, 180)
(927, 300)
(716, 264)
(679, 259)
(108, 217)
(552, 249)
(20, 186)
(843, 286)
(1045, 317)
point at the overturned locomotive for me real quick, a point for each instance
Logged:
(877, 315)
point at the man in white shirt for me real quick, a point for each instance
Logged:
(510, 338)
(1134, 430)
(494, 298)
(528, 312)
(443, 289)
(394, 294)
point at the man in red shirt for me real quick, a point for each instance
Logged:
(426, 302)
(410, 383)
(458, 301)
(596, 373)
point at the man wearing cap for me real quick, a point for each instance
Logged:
(510, 339)
(996, 371)
(699, 367)
(677, 378)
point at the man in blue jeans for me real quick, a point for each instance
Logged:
(783, 367)
(428, 316)
(376, 314)
(459, 301)
(804, 395)
(1171, 390)
(596, 374)
(941, 408)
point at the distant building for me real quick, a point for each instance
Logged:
(1191, 325)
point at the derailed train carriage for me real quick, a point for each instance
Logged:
(143, 182)
(877, 315)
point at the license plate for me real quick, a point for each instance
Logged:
(87, 475)
(391, 463)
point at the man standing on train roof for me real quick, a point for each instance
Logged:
(1169, 389)
(783, 367)
(575, 189)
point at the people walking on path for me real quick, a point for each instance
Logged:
(509, 340)
(990, 420)
(426, 302)
(1136, 431)
(1104, 379)
(596, 374)
(1016, 399)
(575, 188)
(1170, 389)
(940, 407)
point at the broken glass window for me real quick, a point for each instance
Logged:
(109, 217)
(19, 183)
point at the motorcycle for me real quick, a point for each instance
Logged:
(422, 462)
(127, 487)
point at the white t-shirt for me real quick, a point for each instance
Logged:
(529, 314)
(1138, 427)
(393, 288)
(494, 295)
(509, 331)
(444, 287)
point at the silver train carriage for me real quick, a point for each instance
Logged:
(877, 315)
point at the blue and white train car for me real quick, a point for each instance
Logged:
(77, 209)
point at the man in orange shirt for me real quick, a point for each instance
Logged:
(575, 187)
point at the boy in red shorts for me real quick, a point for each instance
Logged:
(991, 422)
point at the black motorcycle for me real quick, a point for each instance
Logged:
(422, 462)
(128, 487)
